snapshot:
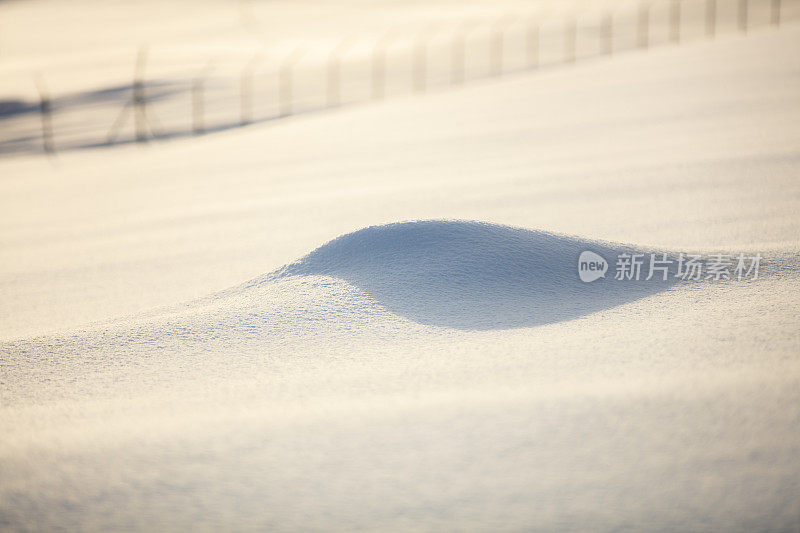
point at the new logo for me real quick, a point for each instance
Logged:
(591, 266)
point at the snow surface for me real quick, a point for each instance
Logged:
(445, 373)
(201, 57)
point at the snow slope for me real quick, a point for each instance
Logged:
(300, 400)
(459, 275)
(690, 148)
(433, 375)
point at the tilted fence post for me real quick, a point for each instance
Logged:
(136, 105)
(46, 111)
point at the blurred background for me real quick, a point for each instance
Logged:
(89, 74)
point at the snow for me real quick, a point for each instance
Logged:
(437, 365)
(214, 64)
(468, 275)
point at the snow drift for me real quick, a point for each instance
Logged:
(461, 275)
(398, 281)
(469, 275)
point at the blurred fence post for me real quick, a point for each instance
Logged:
(420, 67)
(136, 105)
(198, 102)
(570, 39)
(118, 123)
(246, 89)
(46, 110)
(285, 82)
(379, 53)
(334, 92)
(675, 21)
(743, 15)
(532, 39)
(607, 33)
(711, 18)
(458, 53)
(643, 25)
(198, 126)
(775, 12)
(496, 46)
(139, 98)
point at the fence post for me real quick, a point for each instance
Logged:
(420, 69)
(379, 52)
(675, 21)
(607, 33)
(458, 55)
(496, 46)
(246, 89)
(570, 39)
(532, 39)
(775, 12)
(643, 25)
(118, 123)
(139, 98)
(334, 72)
(197, 106)
(420, 66)
(46, 110)
(743, 15)
(711, 18)
(285, 96)
(198, 103)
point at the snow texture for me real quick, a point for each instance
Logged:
(448, 373)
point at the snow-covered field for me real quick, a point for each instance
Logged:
(370, 318)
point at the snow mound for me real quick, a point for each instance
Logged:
(395, 279)
(471, 275)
